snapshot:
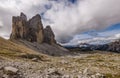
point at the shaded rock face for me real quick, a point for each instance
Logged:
(49, 36)
(31, 30)
(35, 32)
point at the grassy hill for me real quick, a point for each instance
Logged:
(87, 65)
(12, 50)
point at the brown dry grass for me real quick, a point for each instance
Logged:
(105, 63)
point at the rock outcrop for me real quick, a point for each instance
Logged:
(19, 27)
(32, 34)
(10, 70)
(31, 30)
(35, 32)
(49, 36)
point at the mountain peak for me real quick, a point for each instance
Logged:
(23, 16)
(31, 30)
(49, 35)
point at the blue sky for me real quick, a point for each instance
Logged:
(73, 1)
(104, 36)
(113, 27)
(99, 28)
(109, 31)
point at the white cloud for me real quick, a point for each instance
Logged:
(117, 36)
(9, 8)
(65, 18)
(1, 24)
(85, 15)
(103, 37)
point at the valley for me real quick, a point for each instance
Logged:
(31, 64)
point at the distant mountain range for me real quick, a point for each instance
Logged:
(93, 37)
(107, 40)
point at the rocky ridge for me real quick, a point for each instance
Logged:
(31, 30)
(114, 46)
(32, 34)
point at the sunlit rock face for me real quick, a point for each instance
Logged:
(19, 27)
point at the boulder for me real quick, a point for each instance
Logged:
(35, 59)
(10, 70)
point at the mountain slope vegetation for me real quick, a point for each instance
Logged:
(98, 64)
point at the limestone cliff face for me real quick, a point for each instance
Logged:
(19, 27)
(31, 30)
(49, 36)
(35, 32)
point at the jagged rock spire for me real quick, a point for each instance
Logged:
(31, 30)
(49, 36)
(19, 25)
(23, 16)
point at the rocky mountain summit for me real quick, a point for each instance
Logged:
(31, 30)
(32, 34)
(49, 35)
